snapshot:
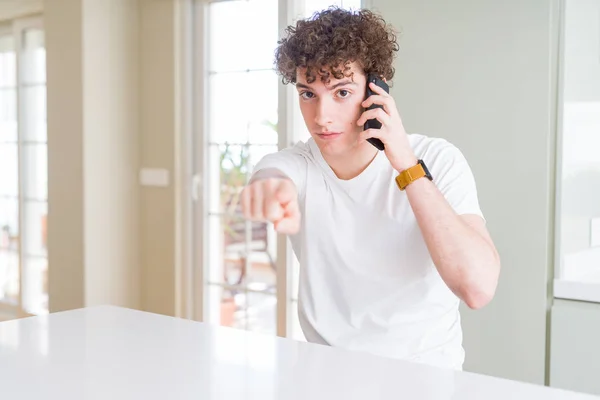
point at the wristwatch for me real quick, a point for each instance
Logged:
(411, 174)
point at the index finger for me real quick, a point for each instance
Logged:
(379, 90)
(379, 100)
(285, 191)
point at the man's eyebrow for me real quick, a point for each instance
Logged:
(341, 83)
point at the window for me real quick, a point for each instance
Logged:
(578, 172)
(23, 169)
(240, 260)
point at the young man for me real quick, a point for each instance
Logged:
(387, 251)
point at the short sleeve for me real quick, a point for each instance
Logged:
(289, 161)
(455, 180)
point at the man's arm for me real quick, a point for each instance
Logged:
(268, 173)
(271, 196)
(460, 245)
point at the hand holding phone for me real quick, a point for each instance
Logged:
(373, 123)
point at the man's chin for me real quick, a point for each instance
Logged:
(337, 147)
(334, 149)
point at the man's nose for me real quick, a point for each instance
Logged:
(323, 114)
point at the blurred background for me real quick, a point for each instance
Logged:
(129, 127)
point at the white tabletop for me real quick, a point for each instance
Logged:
(115, 353)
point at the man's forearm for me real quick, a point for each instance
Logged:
(268, 173)
(466, 260)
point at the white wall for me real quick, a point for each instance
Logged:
(93, 146)
(158, 150)
(481, 74)
(66, 266)
(112, 74)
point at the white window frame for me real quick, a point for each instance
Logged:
(17, 27)
(563, 288)
(195, 136)
(198, 272)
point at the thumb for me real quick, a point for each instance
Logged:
(290, 223)
(287, 225)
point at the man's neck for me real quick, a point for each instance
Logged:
(352, 164)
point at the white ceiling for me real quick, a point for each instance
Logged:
(15, 8)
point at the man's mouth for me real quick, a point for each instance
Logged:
(329, 135)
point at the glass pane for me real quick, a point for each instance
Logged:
(243, 310)
(215, 236)
(8, 71)
(222, 307)
(262, 98)
(35, 231)
(234, 251)
(228, 102)
(36, 171)
(9, 224)
(243, 107)
(34, 113)
(229, 166)
(300, 132)
(9, 170)
(254, 47)
(262, 258)
(34, 57)
(579, 169)
(250, 263)
(9, 276)
(8, 115)
(257, 153)
(261, 312)
(35, 285)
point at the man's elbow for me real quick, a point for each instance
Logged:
(478, 299)
(479, 294)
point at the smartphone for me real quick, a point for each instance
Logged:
(373, 123)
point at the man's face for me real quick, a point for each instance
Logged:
(331, 110)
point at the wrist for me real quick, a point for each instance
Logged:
(405, 163)
(413, 173)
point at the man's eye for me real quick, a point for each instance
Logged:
(306, 95)
(343, 93)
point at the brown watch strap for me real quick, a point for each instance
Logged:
(410, 175)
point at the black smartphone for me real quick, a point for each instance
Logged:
(373, 123)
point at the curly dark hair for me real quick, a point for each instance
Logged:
(330, 40)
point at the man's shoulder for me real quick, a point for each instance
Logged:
(433, 149)
(296, 154)
(292, 161)
(299, 148)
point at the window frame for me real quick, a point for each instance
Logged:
(289, 118)
(17, 28)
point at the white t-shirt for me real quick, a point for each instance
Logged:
(367, 281)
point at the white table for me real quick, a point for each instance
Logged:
(115, 353)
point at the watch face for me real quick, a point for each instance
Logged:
(427, 174)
